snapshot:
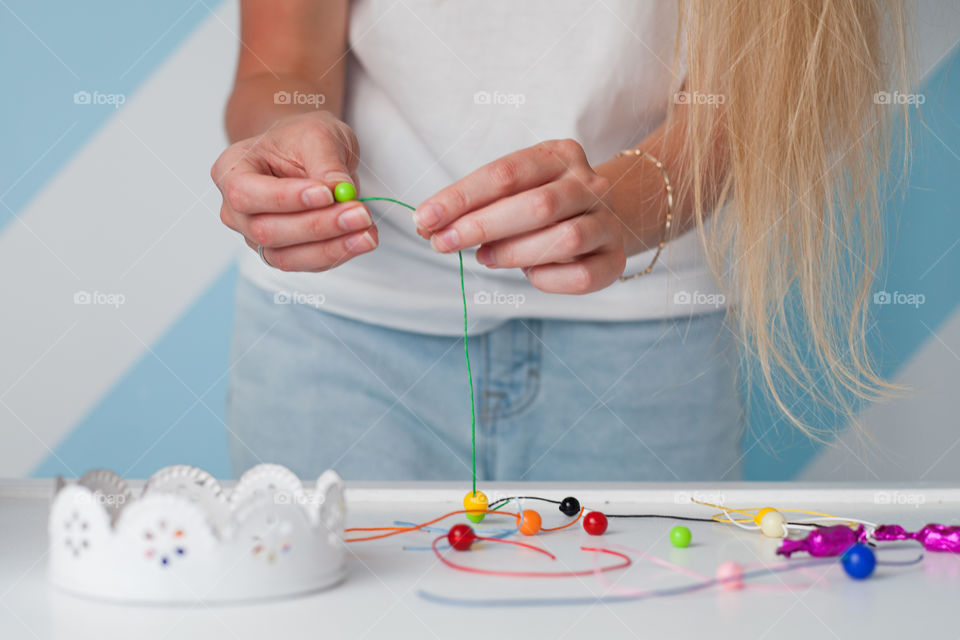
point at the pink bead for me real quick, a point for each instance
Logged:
(730, 575)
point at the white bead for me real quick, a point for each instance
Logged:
(772, 524)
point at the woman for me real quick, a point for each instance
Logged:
(559, 146)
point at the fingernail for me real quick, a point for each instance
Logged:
(428, 215)
(337, 177)
(446, 240)
(354, 219)
(361, 243)
(318, 196)
(485, 256)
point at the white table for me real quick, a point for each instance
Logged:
(381, 596)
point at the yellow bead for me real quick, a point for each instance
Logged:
(477, 503)
(772, 524)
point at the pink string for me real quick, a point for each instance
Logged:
(640, 593)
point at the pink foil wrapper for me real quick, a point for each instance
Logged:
(823, 542)
(933, 537)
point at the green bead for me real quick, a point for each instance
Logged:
(344, 192)
(475, 517)
(680, 537)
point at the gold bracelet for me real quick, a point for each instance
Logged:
(669, 217)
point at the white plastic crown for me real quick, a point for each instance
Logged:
(185, 539)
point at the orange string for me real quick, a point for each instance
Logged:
(392, 531)
(569, 524)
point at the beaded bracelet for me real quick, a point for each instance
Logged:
(669, 216)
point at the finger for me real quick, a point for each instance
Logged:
(518, 171)
(571, 238)
(527, 211)
(229, 217)
(248, 192)
(330, 153)
(588, 274)
(287, 229)
(249, 185)
(320, 256)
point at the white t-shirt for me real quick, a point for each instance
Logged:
(436, 89)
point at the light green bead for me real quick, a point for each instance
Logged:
(344, 192)
(680, 537)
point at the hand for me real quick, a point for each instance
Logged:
(277, 192)
(543, 209)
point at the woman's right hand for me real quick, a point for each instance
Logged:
(277, 192)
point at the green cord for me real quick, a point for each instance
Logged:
(388, 200)
(466, 350)
(466, 353)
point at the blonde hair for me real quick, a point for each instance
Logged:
(808, 145)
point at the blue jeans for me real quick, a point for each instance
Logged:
(555, 400)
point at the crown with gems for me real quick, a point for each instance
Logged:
(186, 539)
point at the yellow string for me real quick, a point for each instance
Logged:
(723, 517)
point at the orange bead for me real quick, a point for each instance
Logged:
(530, 522)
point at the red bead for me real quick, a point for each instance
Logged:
(461, 536)
(595, 523)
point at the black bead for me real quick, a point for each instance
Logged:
(570, 506)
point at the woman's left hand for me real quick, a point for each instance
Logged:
(542, 209)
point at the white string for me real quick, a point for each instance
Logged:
(739, 524)
(870, 525)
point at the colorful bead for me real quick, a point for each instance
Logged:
(477, 503)
(530, 522)
(680, 537)
(344, 192)
(730, 576)
(772, 524)
(859, 561)
(757, 518)
(461, 536)
(570, 506)
(595, 523)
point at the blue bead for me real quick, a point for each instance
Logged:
(859, 561)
